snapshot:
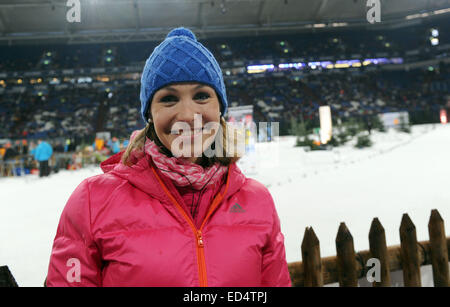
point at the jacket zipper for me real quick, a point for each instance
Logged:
(197, 232)
(201, 260)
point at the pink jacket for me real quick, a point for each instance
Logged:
(126, 227)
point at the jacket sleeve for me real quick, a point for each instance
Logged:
(274, 267)
(75, 260)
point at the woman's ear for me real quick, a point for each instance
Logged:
(149, 117)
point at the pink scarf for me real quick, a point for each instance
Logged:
(183, 172)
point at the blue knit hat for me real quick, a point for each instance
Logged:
(180, 58)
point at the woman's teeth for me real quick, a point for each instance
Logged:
(190, 132)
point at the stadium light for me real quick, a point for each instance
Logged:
(339, 24)
(434, 38)
(341, 65)
(441, 11)
(427, 14)
(223, 8)
(251, 69)
(434, 32)
(443, 116)
(54, 81)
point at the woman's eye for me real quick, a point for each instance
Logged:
(201, 96)
(169, 98)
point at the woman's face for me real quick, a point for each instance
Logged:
(183, 115)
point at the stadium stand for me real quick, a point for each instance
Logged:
(53, 91)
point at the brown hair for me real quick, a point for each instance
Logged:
(149, 131)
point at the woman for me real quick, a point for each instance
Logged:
(165, 212)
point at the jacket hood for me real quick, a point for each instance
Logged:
(142, 175)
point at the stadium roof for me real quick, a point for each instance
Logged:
(23, 21)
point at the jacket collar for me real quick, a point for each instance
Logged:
(141, 176)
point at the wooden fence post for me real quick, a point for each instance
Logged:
(438, 250)
(346, 258)
(409, 253)
(312, 263)
(378, 249)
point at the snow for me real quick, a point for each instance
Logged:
(401, 173)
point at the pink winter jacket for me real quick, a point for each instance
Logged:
(126, 227)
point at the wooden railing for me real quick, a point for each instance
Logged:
(347, 266)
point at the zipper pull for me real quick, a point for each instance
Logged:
(200, 239)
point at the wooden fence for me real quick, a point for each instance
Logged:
(347, 266)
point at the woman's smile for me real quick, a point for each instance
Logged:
(192, 132)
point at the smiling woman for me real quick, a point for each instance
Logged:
(157, 218)
(185, 122)
(182, 82)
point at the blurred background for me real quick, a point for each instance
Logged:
(361, 98)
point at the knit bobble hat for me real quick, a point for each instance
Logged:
(180, 58)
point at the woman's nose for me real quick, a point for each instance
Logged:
(186, 111)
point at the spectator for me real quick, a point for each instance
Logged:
(24, 147)
(115, 145)
(42, 154)
(10, 152)
(98, 144)
(59, 147)
(8, 158)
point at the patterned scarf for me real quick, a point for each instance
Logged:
(182, 171)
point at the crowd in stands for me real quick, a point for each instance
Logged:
(422, 93)
(74, 112)
(68, 114)
(56, 113)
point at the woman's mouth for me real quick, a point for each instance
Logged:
(188, 133)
